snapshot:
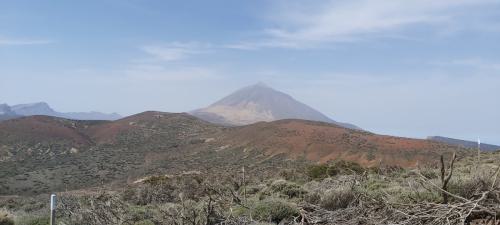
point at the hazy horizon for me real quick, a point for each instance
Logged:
(413, 69)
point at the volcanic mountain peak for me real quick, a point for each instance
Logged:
(259, 102)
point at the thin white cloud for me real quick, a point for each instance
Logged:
(22, 41)
(154, 72)
(478, 64)
(175, 51)
(302, 25)
(473, 63)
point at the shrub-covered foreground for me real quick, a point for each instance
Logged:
(333, 193)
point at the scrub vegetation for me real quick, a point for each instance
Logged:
(460, 190)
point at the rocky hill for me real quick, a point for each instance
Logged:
(39, 154)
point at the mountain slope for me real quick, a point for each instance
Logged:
(6, 112)
(39, 154)
(42, 108)
(464, 143)
(322, 142)
(32, 109)
(260, 103)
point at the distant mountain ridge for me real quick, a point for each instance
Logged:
(5, 109)
(42, 108)
(258, 103)
(6, 112)
(464, 143)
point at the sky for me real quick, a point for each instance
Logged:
(412, 68)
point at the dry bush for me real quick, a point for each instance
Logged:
(333, 193)
(418, 196)
(271, 210)
(313, 197)
(98, 209)
(338, 198)
(187, 212)
(429, 173)
(163, 189)
(469, 185)
(5, 219)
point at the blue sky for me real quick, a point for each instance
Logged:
(410, 68)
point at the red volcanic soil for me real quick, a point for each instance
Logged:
(295, 139)
(322, 142)
(146, 121)
(43, 129)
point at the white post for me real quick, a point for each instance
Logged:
(52, 209)
(478, 150)
(244, 187)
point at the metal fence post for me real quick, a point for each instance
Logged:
(52, 209)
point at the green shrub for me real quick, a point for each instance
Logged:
(144, 222)
(332, 171)
(273, 211)
(317, 171)
(335, 168)
(346, 167)
(419, 196)
(375, 185)
(289, 189)
(30, 220)
(156, 180)
(137, 213)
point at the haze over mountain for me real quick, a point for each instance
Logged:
(6, 112)
(258, 103)
(464, 143)
(42, 108)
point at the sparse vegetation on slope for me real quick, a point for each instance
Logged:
(40, 154)
(367, 196)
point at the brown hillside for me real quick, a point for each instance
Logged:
(143, 126)
(322, 142)
(40, 154)
(44, 129)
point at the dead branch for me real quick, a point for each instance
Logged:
(445, 179)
